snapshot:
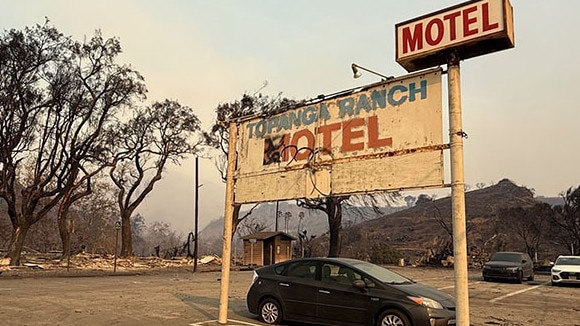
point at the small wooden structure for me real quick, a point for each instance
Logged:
(266, 248)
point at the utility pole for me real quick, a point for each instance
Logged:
(196, 213)
(228, 225)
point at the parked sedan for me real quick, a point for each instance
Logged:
(509, 265)
(566, 269)
(342, 291)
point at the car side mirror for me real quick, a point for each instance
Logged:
(524, 261)
(359, 284)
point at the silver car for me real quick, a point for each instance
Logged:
(566, 270)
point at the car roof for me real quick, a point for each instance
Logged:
(563, 256)
(346, 261)
(335, 259)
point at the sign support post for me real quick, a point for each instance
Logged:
(195, 245)
(460, 32)
(228, 224)
(456, 135)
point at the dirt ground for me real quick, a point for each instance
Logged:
(174, 295)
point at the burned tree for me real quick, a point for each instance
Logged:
(56, 98)
(218, 136)
(567, 220)
(529, 224)
(154, 137)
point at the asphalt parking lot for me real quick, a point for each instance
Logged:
(180, 297)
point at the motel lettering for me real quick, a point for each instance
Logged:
(467, 30)
(350, 106)
(455, 25)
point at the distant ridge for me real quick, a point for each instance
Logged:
(413, 230)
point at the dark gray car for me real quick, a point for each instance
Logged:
(509, 265)
(341, 291)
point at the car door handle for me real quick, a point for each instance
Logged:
(324, 291)
(283, 284)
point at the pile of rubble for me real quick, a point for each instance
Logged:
(93, 262)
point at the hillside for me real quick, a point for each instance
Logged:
(314, 222)
(418, 231)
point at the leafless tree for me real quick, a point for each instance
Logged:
(57, 96)
(332, 207)
(529, 224)
(218, 136)
(251, 225)
(154, 137)
(567, 220)
(94, 218)
(159, 235)
(480, 185)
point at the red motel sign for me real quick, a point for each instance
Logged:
(469, 29)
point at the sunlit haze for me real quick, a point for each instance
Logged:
(519, 106)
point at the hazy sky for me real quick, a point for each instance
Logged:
(519, 105)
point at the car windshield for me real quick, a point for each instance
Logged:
(568, 261)
(382, 274)
(507, 256)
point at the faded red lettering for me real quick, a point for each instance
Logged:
(485, 13)
(452, 19)
(373, 131)
(304, 153)
(326, 132)
(412, 42)
(429, 31)
(348, 135)
(467, 21)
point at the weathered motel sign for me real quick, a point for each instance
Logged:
(469, 29)
(385, 136)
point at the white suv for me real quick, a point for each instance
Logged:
(566, 269)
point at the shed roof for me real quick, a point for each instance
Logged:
(267, 235)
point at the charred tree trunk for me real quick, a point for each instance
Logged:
(18, 236)
(127, 240)
(236, 218)
(334, 226)
(63, 225)
(64, 230)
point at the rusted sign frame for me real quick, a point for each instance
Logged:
(307, 184)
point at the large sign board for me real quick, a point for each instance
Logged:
(469, 29)
(384, 136)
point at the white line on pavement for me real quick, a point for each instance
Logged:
(236, 323)
(452, 286)
(517, 292)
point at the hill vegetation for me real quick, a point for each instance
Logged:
(418, 230)
(423, 233)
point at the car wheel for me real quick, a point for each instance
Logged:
(520, 277)
(554, 283)
(270, 312)
(393, 317)
(531, 278)
(486, 279)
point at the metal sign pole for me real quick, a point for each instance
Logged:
(195, 247)
(117, 228)
(456, 135)
(228, 224)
